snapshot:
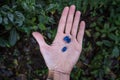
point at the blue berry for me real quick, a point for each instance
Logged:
(64, 49)
(67, 39)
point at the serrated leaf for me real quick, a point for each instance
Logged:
(13, 37)
(10, 17)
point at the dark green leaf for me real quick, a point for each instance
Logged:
(5, 20)
(19, 15)
(25, 6)
(10, 17)
(13, 37)
(25, 29)
(51, 7)
(107, 43)
(43, 19)
(51, 20)
(99, 43)
(0, 19)
(19, 18)
(3, 42)
(5, 7)
(115, 52)
(42, 27)
(88, 33)
(19, 22)
(8, 27)
(93, 24)
(112, 36)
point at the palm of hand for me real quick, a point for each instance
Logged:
(54, 57)
(63, 61)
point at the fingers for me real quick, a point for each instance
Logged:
(62, 21)
(69, 24)
(70, 19)
(76, 23)
(81, 32)
(39, 39)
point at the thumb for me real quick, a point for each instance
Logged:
(39, 38)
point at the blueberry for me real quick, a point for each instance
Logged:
(64, 49)
(67, 39)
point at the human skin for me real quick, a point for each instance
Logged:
(60, 64)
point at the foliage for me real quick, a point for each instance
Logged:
(100, 57)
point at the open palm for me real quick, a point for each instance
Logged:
(55, 58)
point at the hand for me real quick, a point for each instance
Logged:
(53, 55)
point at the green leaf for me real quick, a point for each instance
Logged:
(42, 27)
(19, 22)
(112, 36)
(93, 24)
(13, 37)
(5, 7)
(19, 15)
(107, 43)
(25, 6)
(41, 19)
(10, 17)
(8, 27)
(115, 52)
(53, 33)
(25, 29)
(99, 43)
(3, 42)
(19, 18)
(106, 26)
(51, 7)
(88, 33)
(51, 20)
(5, 20)
(0, 19)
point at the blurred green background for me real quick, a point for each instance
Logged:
(20, 58)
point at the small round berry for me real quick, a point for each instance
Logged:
(67, 39)
(64, 49)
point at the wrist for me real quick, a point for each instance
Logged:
(61, 75)
(58, 75)
(50, 75)
(61, 72)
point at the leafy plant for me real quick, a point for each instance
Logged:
(100, 57)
